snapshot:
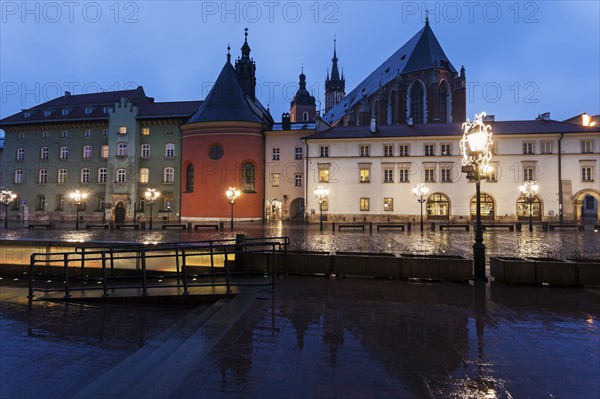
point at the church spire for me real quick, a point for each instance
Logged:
(334, 85)
(246, 69)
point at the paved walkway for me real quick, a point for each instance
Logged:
(318, 338)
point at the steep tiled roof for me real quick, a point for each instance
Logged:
(228, 102)
(452, 129)
(422, 51)
(76, 106)
(183, 109)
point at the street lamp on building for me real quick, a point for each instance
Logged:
(77, 197)
(420, 191)
(151, 195)
(475, 148)
(529, 189)
(232, 194)
(321, 193)
(6, 197)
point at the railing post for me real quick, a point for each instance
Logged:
(112, 262)
(184, 272)
(177, 261)
(31, 267)
(226, 264)
(82, 262)
(104, 279)
(143, 256)
(66, 266)
(212, 263)
(273, 266)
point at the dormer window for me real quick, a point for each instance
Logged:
(65, 112)
(27, 114)
(106, 109)
(88, 110)
(47, 112)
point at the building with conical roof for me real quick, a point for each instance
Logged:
(303, 106)
(417, 84)
(223, 146)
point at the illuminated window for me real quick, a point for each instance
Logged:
(388, 204)
(104, 151)
(144, 175)
(364, 175)
(438, 206)
(145, 131)
(275, 179)
(364, 204)
(123, 130)
(324, 173)
(487, 206)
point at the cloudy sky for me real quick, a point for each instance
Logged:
(521, 58)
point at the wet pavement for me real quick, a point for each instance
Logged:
(321, 338)
(550, 244)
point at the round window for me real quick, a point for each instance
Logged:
(215, 152)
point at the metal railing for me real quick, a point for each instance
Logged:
(116, 266)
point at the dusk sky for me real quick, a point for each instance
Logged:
(521, 58)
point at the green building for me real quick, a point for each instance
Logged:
(111, 146)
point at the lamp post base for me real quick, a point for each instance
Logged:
(479, 262)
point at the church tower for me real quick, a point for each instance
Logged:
(245, 69)
(335, 86)
(303, 106)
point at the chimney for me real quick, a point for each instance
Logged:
(285, 121)
(67, 94)
(373, 126)
(545, 116)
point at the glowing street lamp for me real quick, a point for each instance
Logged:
(151, 195)
(475, 148)
(529, 189)
(232, 194)
(321, 193)
(77, 197)
(6, 197)
(420, 191)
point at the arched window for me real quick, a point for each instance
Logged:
(169, 175)
(145, 151)
(102, 173)
(248, 177)
(121, 176)
(64, 152)
(487, 207)
(44, 152)
(121, 149)
(87, 151)
(144, 175)
(85, 175)
(416, 97)
(43, 176)
(445, 103)
(438, 207)
(523, 208)
(305, 116)
(169, 150)
(189, 178)
(61, 176)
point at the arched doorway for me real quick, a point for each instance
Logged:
(586, 203)
(488, 210)
(523, 208)
(438, 207)
(297, 209)
(120, 213)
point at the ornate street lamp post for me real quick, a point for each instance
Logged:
(530, 189)
(232, 194)
(420, 191)
(77, 197)
(151, 195)
(321, 192)
(475, 149)
(6, 197)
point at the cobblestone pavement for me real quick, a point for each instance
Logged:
(320, 338)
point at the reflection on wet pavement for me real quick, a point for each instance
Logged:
(552, 244)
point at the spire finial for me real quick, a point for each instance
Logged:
(426, 16)
(302, 67)
(228, 53)
(246, 34)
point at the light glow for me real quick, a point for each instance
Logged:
(232, 194)
(476, 142)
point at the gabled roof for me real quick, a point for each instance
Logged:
(228, 102)
(451, 130)
(422, 51)
(75, 106)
